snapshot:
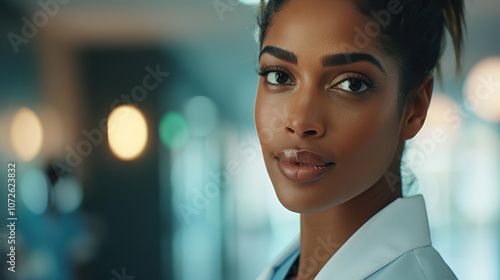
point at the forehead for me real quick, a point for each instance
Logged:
(311, 28)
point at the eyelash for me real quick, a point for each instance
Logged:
(265, 70)
(357, 76)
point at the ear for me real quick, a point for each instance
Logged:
(416, 111)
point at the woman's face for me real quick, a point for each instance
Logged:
(322, 92)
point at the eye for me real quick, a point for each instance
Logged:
(278, 78)
(275, 75)
(353, 85)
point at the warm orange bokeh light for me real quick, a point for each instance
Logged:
(26, 134)
(483, 90)
(127, 132)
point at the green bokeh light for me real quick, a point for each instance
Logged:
(174, 130)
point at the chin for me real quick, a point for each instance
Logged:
(303, 201)
(303, 209)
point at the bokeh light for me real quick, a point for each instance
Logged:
(68, 194)
(483, 90)
(41, 263)
(26, 134)
(250, 2)
(34, 191)
(201, 115)
(127, 132)
(443, 116)
(174, 131)
(478, 195)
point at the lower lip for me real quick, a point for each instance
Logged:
(302, 173)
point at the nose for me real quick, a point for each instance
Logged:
(306, 117)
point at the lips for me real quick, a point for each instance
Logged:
(302, 166)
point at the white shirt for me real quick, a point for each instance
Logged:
(394, 244)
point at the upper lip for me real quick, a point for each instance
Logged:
(303, 156)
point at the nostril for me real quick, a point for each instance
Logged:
(310, 132)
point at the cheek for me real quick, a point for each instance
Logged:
(261, 115)
(368, 142)
(267, 120)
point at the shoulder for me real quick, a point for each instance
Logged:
(423, 263)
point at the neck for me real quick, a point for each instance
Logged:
(322, 233)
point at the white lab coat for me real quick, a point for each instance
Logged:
(393, 245)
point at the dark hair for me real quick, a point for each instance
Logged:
(415, 35)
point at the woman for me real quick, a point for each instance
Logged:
(343, 84)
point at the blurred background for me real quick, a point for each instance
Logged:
(131, 127)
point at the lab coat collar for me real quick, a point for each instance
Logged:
(280, 259)
(396, 229)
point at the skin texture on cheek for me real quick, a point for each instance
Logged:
(367, 147)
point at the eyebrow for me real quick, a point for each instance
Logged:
(327, 60)
(280, 53)
(347, 58)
